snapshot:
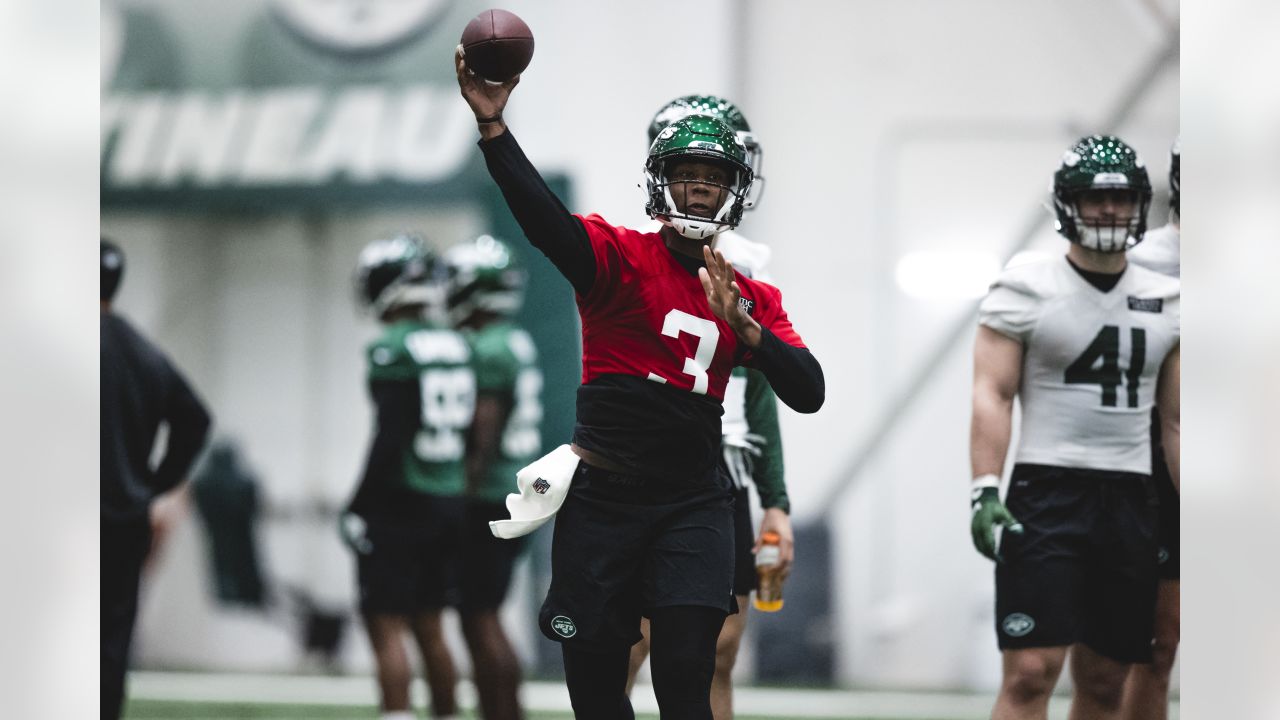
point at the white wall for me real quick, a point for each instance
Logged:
(890, 126)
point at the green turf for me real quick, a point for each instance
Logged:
(178, 710)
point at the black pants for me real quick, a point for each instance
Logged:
(124, 547)
(683, 659)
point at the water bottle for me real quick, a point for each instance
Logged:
(768, 573)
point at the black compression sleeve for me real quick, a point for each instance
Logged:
(549, 226)
(398, 404)
(597, 681)
(793, 372)
(683, 659)
(188, 423)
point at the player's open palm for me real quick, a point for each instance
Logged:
(721, 288)
(487, 99)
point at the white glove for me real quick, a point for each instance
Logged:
(739, 450)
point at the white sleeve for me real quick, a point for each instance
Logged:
(1010, 310)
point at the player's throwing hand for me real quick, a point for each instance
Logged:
(487, 99)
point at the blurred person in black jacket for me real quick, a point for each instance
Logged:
(140, 390)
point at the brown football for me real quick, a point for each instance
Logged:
(497, 45)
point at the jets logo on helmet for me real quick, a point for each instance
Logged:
(697, 138)
(1106, 166)
(395, 272)
(726, 112)
(482, 275)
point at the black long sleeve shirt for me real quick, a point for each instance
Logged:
(140, 390)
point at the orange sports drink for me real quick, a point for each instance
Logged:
(768, 573)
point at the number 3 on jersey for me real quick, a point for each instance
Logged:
(1099, 364)
(678, 321)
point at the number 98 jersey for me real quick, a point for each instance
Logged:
(1091, 360)
(434, 364)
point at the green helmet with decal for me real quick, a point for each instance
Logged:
(697, 138)
(396, 272)
(482, 275)
(1101, 164)
(724, 111)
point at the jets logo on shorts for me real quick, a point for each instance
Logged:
(563, 626)
(541, 486)
(1017, 625)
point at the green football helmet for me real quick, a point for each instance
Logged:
(698, 138)
(726, 112)
(1101, 163)
(482, 275)
(396, 272)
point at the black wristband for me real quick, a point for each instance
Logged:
(488, 120)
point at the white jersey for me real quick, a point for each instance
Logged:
(1090, 361)
(749, 258)
(1160, 250)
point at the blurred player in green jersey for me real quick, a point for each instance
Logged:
(485, 290)
(404, 522)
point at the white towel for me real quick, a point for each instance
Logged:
(543, 485)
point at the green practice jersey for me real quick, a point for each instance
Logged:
(506, 365)
(437, 361)
(762, 419)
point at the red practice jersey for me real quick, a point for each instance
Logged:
(647, 316)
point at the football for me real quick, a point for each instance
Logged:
(497, 45)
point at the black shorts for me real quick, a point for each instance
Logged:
(412, 566)
(744, 538)
(624, 545)
(487, 561)
(1084, 568)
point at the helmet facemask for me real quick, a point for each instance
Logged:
(1101, 172)
(1097, 230)
(665, 188)
(702, 140)
(755, 158)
